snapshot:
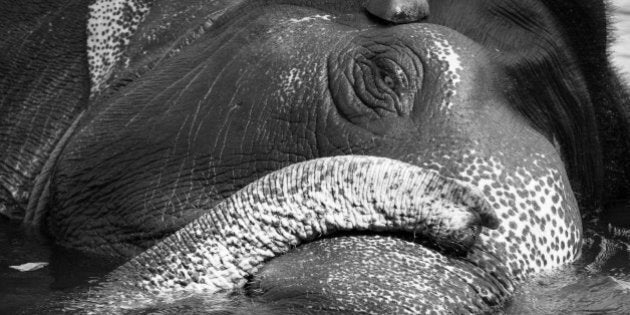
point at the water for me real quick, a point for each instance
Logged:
(67, 270)
(598, 283)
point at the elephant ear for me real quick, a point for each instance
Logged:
(127, 38)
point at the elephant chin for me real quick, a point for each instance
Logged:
(380, 274)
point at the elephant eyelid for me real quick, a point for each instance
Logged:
(392, 74)
(388, 80)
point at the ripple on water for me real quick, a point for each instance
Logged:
(570, 292)
(597, 284)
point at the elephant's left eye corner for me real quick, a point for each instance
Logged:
(392, 75)
(388, 80)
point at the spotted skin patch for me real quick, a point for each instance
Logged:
(445, 58)
(444, 53)
(540, 223)
(110, 27)
(540, 229)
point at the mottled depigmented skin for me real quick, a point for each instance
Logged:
(179, 106)
(110, 27)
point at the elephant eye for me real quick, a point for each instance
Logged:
(388, 80)
(391, 75)
(374, 82)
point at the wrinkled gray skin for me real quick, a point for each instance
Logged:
(180, 120)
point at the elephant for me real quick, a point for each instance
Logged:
(399, 156)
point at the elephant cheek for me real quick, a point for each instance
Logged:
(541, 227)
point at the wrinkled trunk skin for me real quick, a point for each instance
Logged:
(305, 201)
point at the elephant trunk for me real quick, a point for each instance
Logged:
(303, 202)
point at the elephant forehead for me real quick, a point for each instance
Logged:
(111, 27)
(444, 52)
(452, 61)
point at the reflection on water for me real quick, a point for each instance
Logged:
(67, 270)
(599, 283)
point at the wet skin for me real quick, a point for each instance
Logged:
(174, 131)
(444, 109)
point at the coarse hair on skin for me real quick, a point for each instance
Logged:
(587, 26)
(554, 53)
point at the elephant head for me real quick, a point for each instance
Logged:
(228, 134)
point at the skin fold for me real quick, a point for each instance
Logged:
(312, 156)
